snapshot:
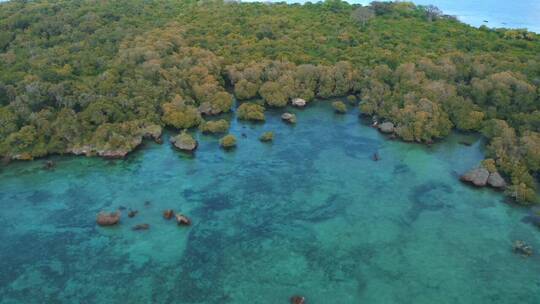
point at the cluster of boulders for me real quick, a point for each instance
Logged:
(113, 218)
(522, 248)
(481, 177)
(181, 219)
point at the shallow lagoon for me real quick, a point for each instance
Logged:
(309, 214)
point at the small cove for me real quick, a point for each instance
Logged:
(310, 213)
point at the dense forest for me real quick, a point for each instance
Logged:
(96, 77)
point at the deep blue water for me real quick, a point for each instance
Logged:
(310, 214)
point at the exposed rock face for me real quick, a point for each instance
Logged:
(22, 156)
(522, 248)
(386, 127)
(289, 117)
(477, 177)
(481, 177)
(495, 180)
(184, 142)
(298, 300)
(81, 150)
(141, 227)
(113, 153)
(168, 214)
(108, 219)
(153, 132)
(299, 102)
(182, 220)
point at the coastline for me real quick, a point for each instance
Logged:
(473, 16)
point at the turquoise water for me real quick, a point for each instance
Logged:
(309, 214)
(507, 14)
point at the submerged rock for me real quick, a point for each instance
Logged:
(49, 165)
(477, 177)
(184, 142)
(168, 214)
(289, 117)
(495, 180)
(386, 127)
(299, 102)
(132, 213)
(182, 220)
(141, 227)
(375, 156)
(267, 136)
(522, 248)
(339, 107)
(108, 219)
(298, 300)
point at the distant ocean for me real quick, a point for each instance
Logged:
(492, 13)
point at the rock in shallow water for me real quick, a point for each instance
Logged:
(168, 214)
(184, 142)
(141, 227)
(298, 300)
(289, 117)
(386, 127)
(495, 180)
(299, 102)
(108, 219)
(477, 177)
(522, 248)
(182, 220)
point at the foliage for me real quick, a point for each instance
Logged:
(267, 136)
(214, 127)
(339, 107)
(78, 74)
(228, 141)
(250, 111)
